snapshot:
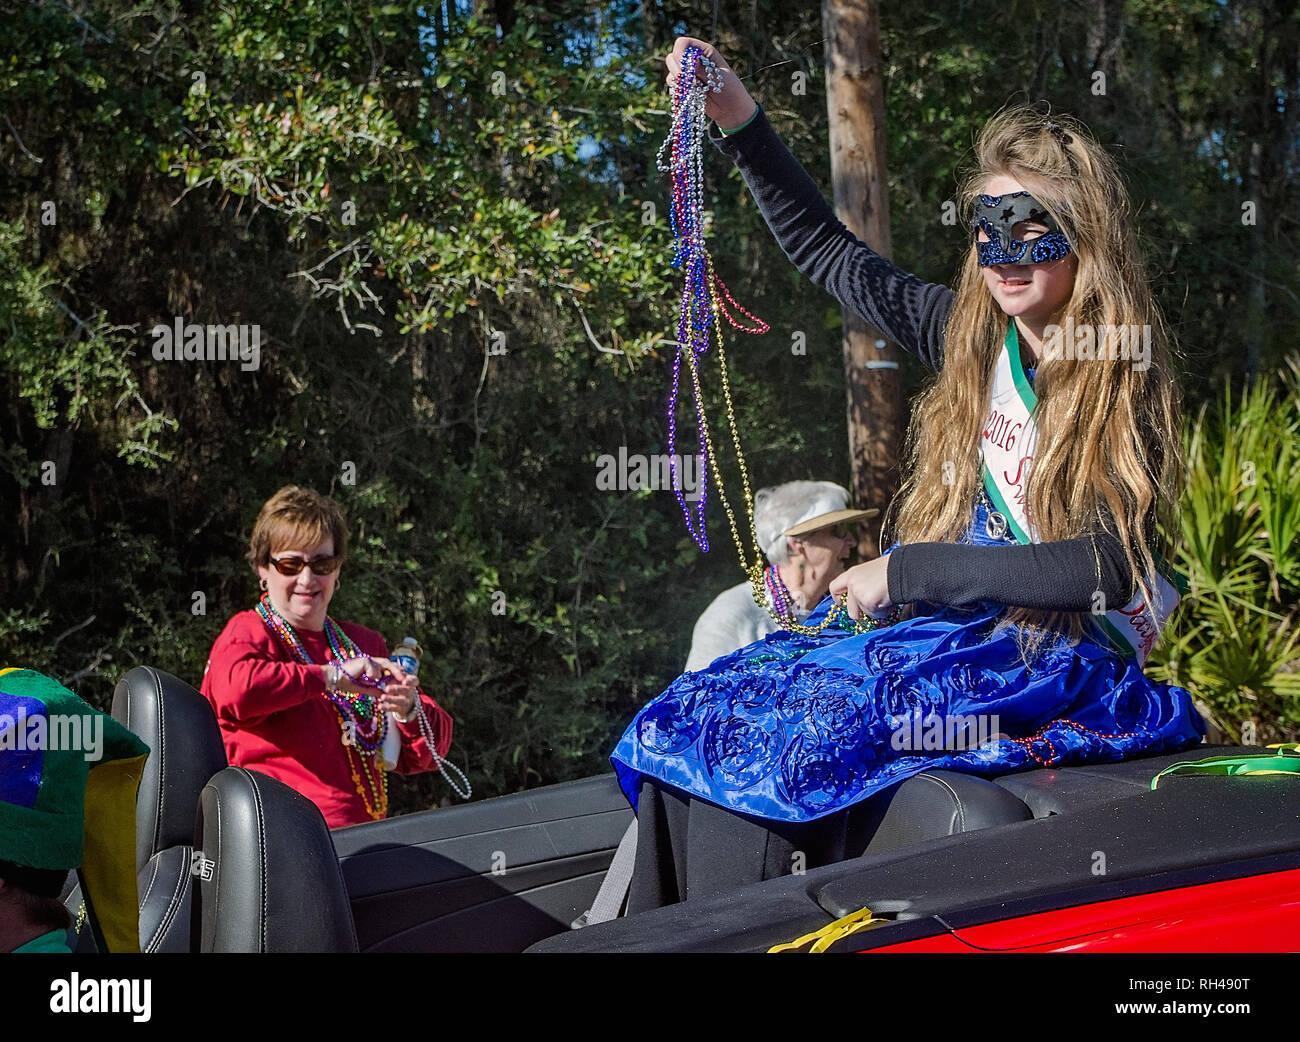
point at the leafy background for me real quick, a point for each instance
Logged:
(390, 189)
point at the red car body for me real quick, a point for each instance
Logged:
(1259, 913)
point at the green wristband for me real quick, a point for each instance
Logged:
(728, 131)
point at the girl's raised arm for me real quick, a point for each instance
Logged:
(904, 308)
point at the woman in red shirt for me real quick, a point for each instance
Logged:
(304, 698)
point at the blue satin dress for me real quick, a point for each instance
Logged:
(794, 728)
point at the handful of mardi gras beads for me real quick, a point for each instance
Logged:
(705, 298)
(702, 291)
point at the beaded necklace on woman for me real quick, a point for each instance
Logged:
(362, 724)
(699, 321)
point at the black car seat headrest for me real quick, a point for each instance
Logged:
(267, 876)
(931, 805)
(186, 749)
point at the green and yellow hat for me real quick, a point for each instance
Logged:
(69, 775)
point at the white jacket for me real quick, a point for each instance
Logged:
(730, 622)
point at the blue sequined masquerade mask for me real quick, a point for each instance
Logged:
(997, 215)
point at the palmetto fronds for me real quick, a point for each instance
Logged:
(1234, 642)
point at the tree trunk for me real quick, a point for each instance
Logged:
(855, 105)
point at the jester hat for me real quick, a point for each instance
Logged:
(68, 781)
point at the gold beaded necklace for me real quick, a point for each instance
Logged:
(685, 142)
(755, 570)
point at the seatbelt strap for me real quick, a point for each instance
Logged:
(613, 891)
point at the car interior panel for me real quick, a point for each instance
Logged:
(231, 860)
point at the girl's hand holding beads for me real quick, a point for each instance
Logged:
(867, 586)
(732, 105)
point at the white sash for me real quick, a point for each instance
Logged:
(1007, 446)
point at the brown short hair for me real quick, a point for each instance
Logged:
(296, 517)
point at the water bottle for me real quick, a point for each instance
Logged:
(407, 654)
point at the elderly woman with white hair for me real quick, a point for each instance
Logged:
(807, 532)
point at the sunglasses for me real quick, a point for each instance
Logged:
(294, 565)
(844, 530)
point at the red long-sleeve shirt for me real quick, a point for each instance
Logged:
(276, 718)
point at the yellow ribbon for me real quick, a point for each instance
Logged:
(832, 932)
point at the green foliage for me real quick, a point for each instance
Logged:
(392, 207)
(1234, 640)
(71, 372)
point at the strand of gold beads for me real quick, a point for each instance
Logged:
(753, 571)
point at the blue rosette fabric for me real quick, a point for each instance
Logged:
(793, 728)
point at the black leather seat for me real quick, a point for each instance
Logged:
(268, 875)
(186, 749)
(932, 805)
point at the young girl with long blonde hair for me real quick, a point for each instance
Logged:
(1026, 586)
